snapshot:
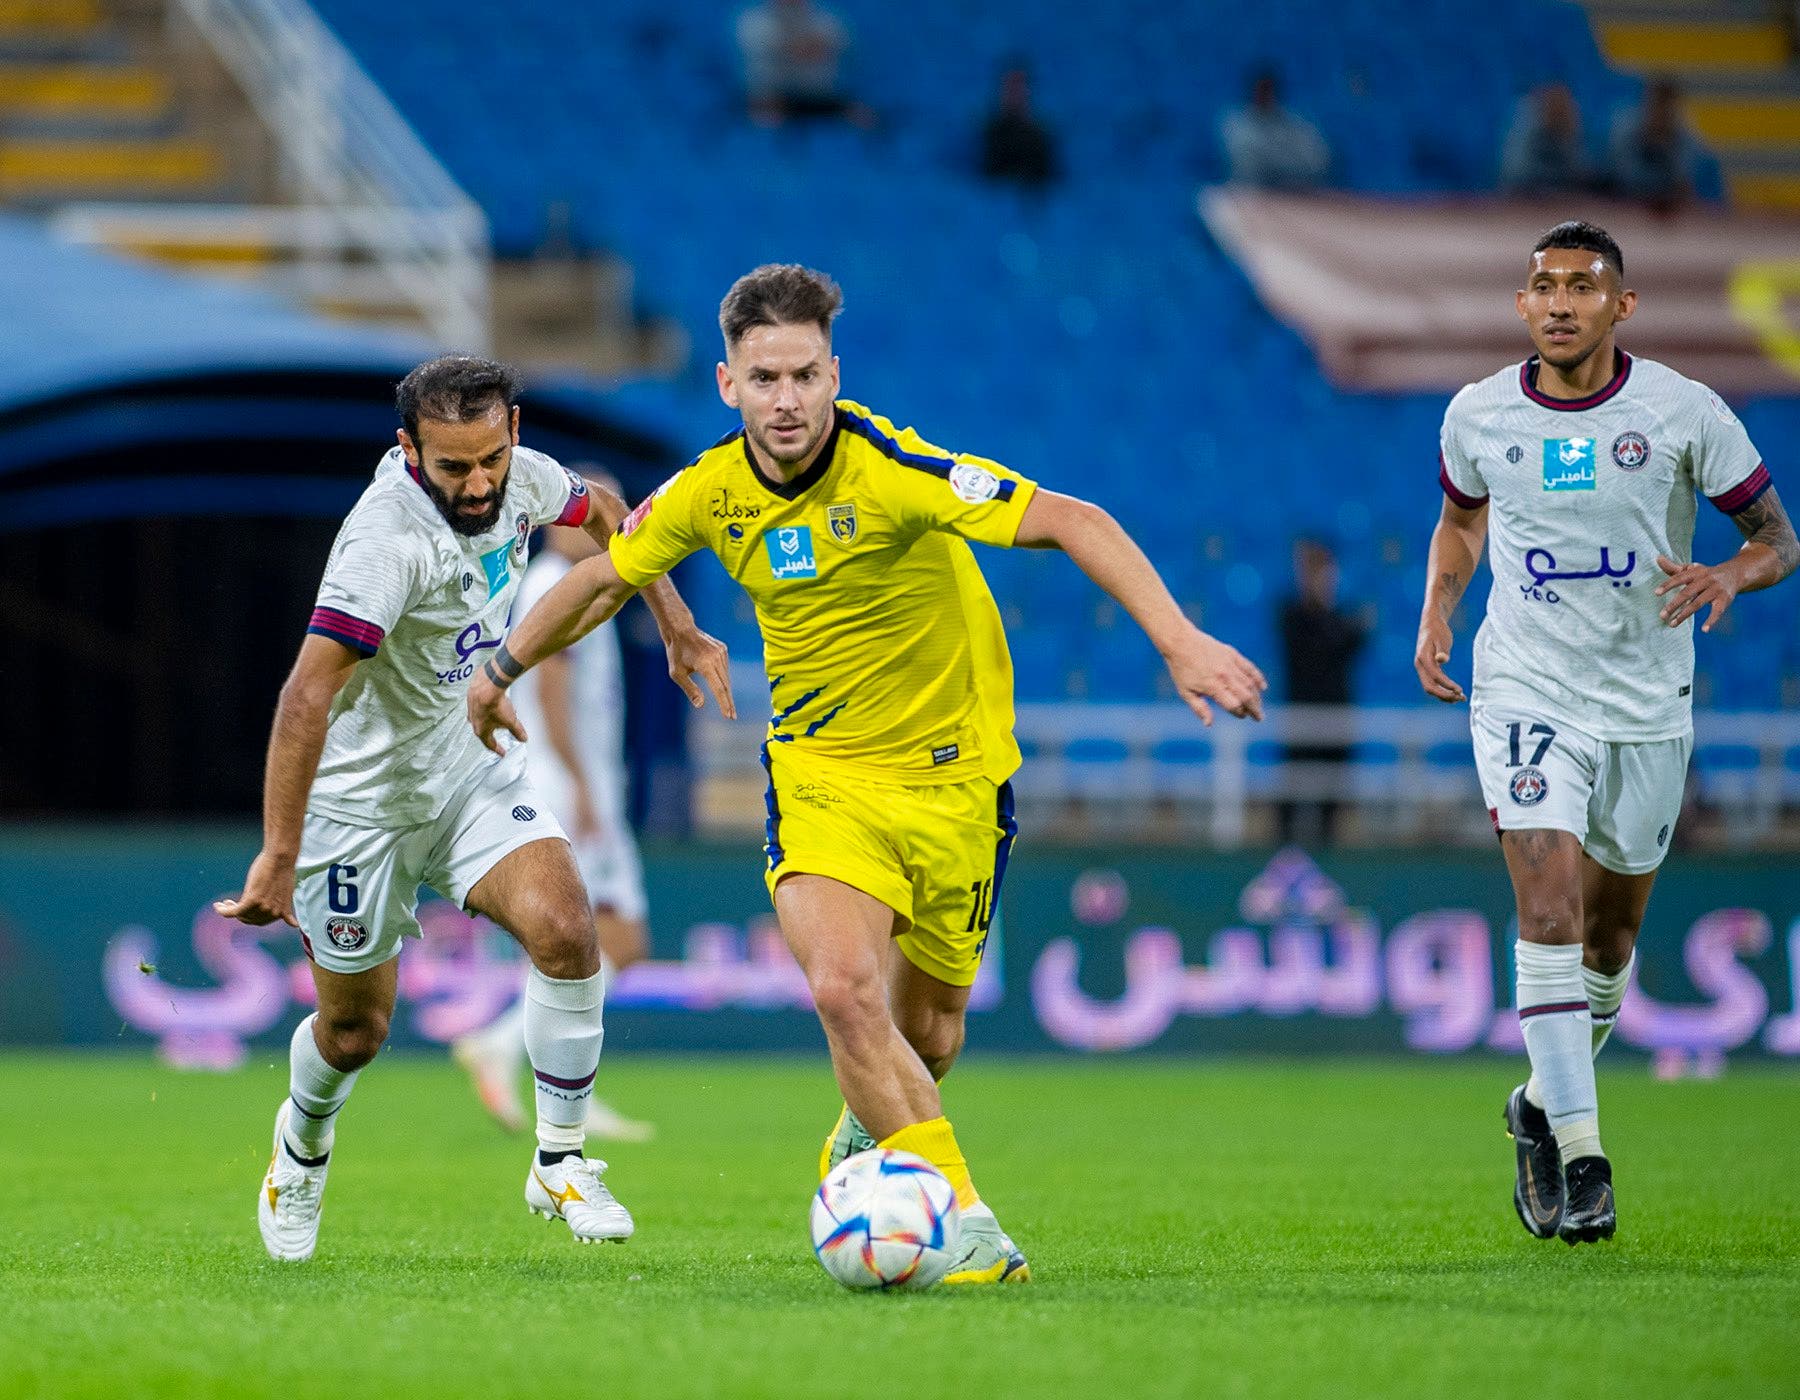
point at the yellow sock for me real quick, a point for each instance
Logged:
(935, 1141)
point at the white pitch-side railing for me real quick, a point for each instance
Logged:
(1411, 770)
(375, 222)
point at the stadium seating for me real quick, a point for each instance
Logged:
(1093, 337)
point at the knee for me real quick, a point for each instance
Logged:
(566, 946)
(848, 999)
(348, 1042)
(1549, 919)
(1609, 945)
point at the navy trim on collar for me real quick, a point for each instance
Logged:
(1528, 386)
(807, 479)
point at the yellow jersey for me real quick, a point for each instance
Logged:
(883, 647)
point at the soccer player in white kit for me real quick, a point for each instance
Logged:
(1580, 466)
(573, 706)
(375, 786)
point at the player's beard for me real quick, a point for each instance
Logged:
(1567, 359)
(456, 519)
(793, 456)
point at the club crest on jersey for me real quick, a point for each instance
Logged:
(791, 552)
(1630, 451)
(843, 522)
(521, 536)
(1529, 786)
(346, 934)
(1569, 464)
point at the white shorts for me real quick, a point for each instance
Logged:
(612, 871)
(357, 890)
(1620, 800)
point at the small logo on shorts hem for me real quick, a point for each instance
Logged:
(948, 754)
(524, 814)
(1662, 837)
(1529, 786)
(346, 934)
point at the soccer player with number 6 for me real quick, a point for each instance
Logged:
(1579, 468)
(375, 786)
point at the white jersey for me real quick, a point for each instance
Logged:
(424, 606)
(1585, 494)
(598, 700)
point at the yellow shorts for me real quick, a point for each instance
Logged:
(934, 855)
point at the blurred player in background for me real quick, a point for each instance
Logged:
(574, 706)
(375, 786)
(890, 815)
(1582, 465)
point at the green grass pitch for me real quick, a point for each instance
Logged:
(1206, 1229)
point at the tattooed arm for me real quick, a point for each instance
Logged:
(1455, 551)
(1769, 554)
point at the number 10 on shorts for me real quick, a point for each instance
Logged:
(983, 913)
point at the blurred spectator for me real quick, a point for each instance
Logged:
(1544, 153)
(793, 51)
(1653, 157)
(1267, 145)
(1319, 641)
(1015, 145)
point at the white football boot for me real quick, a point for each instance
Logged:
(572, 1191)
(291, 1200)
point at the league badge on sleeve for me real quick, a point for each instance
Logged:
(973, 484)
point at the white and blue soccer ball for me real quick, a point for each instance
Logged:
(886, 1219)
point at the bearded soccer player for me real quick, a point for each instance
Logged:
(1581, 467)
(375, 786)
(890, 814)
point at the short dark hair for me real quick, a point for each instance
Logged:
(455, 389)
(1585, 237)
(779, 294)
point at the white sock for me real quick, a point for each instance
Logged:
(1604, 996)
(317, 1092)
(1553, 1014)
(562, 1037)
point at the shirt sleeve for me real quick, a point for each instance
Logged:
(1725, 463)
(551, 494)
(658, 534)
(956, 492)
(370, 580)
(1460, 478)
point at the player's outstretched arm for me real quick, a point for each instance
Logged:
(295, 743)
(1202, 666)
(1769, 554)
(1456, 546)
(691, 651)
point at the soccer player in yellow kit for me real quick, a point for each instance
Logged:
(890, 747)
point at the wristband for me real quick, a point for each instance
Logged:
(503, 661)
(492, 672)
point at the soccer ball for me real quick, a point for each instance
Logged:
(886, 1219)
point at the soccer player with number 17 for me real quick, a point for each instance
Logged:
(1580, 467)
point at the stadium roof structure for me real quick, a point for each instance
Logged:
(130, 390)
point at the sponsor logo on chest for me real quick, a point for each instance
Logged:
(1569, 464)
(791, 552)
